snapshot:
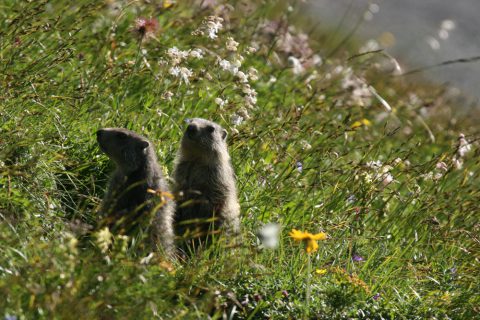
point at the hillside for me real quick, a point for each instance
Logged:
(319, 142)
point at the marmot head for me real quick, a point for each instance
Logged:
(203, 137)
(127, 149)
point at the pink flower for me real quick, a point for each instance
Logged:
(145, 28)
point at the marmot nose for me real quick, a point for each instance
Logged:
(191, 130)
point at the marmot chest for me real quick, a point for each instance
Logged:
(203, 180)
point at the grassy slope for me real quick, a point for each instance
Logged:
(68, 70)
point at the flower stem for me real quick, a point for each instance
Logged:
(135, 69)
(308, 288)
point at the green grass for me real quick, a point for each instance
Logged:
(69, 69)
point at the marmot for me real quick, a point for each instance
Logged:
(128, 202)
(205, 183)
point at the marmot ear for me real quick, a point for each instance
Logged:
(144, 144)
(224, 134)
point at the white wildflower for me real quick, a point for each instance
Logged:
(381, 173)
(237, 119)
(244, 113)
(341, 69)
(387, 178)
(146, 260)
(167, 95)
(250, 94)
(374, 164)
(220, 102)
(253, 74)
(237, 63)
(213, 25)
(208, 76)
(231, 44)
(317, 60)
(297, 67)
(432, 176)
(437, 176)
(181, 72)
(228, 66)
(312, 76)
(269, 236)
(305, 145)
(360, 94)
(458, 163)
(441, 166)
(242, 77)
(250, 100)
(247, 89)
(397, 161)
(174, 71)
(251, 50)
(464, 146)
(386, 169)
(176, 55)
(368, 177)
(225, 64)
(196, 53)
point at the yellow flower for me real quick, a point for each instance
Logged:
(321, 272)
(167, 4)
(309, 239)
(363, 122)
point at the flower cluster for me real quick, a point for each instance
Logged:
(243, 78)
(293, 44)
(357, 88)
(210, 26)
(440, 169)
(378, 172)
(177, 57)
(464, 147)
(181, 72)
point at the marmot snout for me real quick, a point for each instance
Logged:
(126, 148)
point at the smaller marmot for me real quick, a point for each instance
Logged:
(128, 203)
(205, 183)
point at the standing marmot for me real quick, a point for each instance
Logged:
(205, 180)
(128, 203)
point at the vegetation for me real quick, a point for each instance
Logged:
(320, 143)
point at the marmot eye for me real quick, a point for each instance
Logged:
(210, 129)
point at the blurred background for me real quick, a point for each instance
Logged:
(418, 33)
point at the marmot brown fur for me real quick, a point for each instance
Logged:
(128, 202)
(205, 183)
